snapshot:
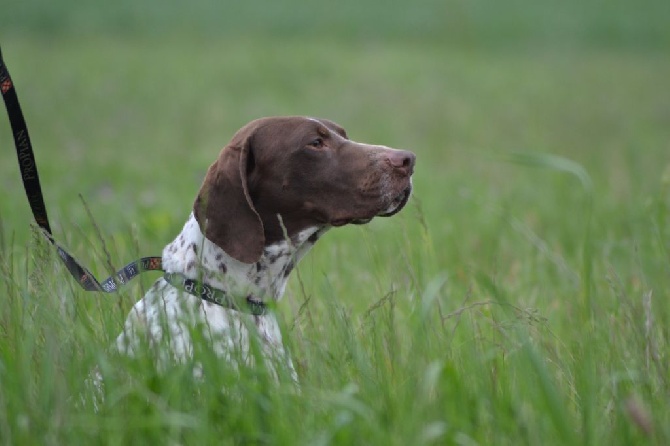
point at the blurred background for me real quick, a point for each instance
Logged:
(542, 134)
(479, 23)
(129, 101)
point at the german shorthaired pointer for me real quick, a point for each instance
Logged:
(273, 191)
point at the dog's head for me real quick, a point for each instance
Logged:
(290, 173)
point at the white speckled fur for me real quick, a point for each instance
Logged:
(167, 315)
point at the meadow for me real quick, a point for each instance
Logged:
(520, 298)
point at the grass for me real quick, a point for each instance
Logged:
(521, 298)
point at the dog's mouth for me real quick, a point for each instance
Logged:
(393, 208)
(398, 203)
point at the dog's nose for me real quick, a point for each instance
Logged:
(402, 160)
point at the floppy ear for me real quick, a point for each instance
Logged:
(224, 208)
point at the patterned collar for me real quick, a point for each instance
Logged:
(199, 289)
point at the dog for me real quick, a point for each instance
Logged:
(273, 191)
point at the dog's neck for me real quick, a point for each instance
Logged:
(192, 255)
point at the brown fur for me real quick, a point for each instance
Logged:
(289, 173)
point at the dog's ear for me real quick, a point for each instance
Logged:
(223, 207)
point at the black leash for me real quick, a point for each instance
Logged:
(31, 183)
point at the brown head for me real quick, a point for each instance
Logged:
(307, 171)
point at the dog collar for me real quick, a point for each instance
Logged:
(216, 296)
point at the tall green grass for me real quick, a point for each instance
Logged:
(520, 298)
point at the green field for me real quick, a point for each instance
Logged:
(520, 298)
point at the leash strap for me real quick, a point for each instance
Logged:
(31, 183)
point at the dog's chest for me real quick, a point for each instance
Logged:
(192, 255)
(167, 315)
(166, 319)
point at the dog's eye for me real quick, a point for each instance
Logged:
(317, 143)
